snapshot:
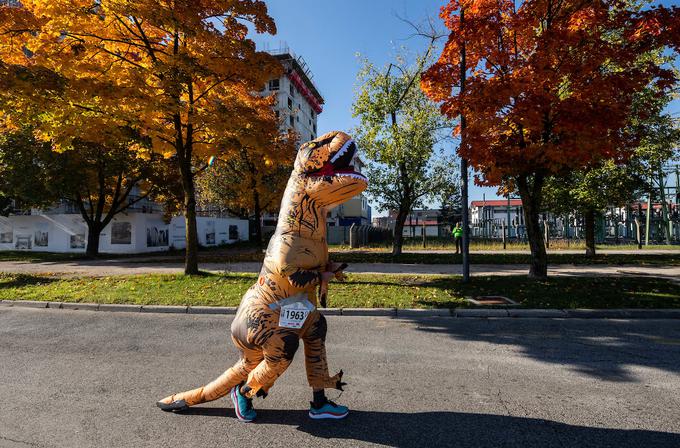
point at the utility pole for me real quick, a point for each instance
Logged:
(664, 208)
(464, 168)
(649, 214)
(507, 219)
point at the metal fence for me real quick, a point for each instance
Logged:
(357, 236)
(611, 227)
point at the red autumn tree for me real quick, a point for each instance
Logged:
(543, 87)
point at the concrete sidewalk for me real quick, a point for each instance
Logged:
(86, 379)
(103, 268)
(526, 251)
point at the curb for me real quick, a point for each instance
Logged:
(369, 312)
(211, 310)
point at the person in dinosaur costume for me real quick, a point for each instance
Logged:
(279, 310)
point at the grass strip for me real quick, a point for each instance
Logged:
(361, 290)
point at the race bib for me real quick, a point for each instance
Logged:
(294, 311)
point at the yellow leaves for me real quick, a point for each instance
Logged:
(581, 19)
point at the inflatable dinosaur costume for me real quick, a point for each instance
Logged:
(279, 310)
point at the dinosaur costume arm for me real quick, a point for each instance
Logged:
(303, 278)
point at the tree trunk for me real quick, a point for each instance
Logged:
(258, 219)
(589, 216)
(399, 231)
(93, 234)
(191, 254)
(531, 204)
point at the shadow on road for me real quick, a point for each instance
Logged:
(435, 429)
(604, 349)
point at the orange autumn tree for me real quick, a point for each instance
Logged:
(543, 87)
(251, 180)
(178, 71)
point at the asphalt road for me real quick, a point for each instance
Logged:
(86, 379)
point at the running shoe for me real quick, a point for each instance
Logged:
(328, 410)
(242, 405)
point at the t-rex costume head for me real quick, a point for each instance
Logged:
(322, 178)
(326, 166)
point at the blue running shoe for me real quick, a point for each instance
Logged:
(242, 405)
(328, 410)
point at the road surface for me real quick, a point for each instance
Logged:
(85, 379)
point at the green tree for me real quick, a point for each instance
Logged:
(104, 181)
(29, 171)
(614, 183)
(399, 128)
(101, 180)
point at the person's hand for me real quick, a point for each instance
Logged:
(337, 268)
(327, 276)
(333, 267)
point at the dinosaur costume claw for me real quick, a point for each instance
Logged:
(295, 265)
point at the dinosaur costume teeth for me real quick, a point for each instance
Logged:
(296, 257)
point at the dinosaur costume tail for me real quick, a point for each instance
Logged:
(221, 386)
(260, 375)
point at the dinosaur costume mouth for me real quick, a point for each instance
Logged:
(340, 164)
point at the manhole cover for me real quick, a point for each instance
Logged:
(491, 301)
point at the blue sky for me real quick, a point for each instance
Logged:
(328, 34)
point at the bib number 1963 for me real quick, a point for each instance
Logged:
(294, 311)
(292, 318)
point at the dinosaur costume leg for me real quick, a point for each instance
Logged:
(316, 364)
(280, 348)
(250, 358)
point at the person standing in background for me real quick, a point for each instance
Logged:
(457, 233)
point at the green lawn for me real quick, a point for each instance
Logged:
(361, 290)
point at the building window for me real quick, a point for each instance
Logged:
(274, 84)
(315, 128)
(297, 118)
(292, 122)
(290, 104)
(292, 91)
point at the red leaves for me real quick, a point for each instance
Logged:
(549, 85)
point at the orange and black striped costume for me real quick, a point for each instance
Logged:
(296, 257)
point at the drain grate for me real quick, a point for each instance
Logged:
(491, 301)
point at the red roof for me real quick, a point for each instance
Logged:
(655, 205)
(496, 203)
